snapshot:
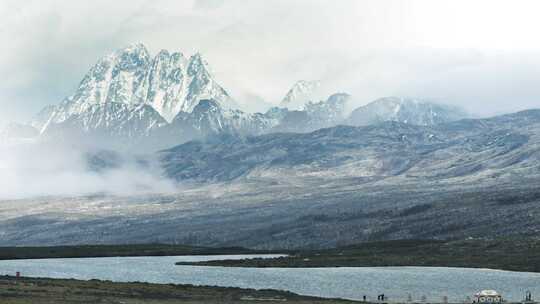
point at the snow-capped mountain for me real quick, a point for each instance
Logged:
(41, 119)
(169, 99)
(209, 118)
(112, 122)
(301, 93)
(176, 84)
(316, 115)
(405, 110)
(169, 83)
(329, 112)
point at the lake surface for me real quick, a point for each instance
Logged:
(347, 282)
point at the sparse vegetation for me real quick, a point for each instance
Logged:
(507, 254)
(83, 251)
(55, 291)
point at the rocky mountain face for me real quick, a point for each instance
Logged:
(315, 115)
(169, 83)
(336, 186)
(301, 93)
(41, 119)
(110, 123)
(501, 145)
(405, 110)
(209, 118)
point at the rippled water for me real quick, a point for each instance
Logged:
(348, 282)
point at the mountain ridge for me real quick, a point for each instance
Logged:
(169, 83)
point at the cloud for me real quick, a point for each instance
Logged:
(208, 4)
(62, 170)
(367, 48)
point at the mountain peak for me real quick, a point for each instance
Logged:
(169, 83)
(197, 64)
(134, 48)
(302, 91)
(406, 110)
(136, 53)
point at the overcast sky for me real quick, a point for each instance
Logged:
(483, 55)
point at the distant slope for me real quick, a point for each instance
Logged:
(405, 110)
(464, 149)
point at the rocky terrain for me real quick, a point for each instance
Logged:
(311, 176)
(405, 110)
(476, 149)
(331, 187)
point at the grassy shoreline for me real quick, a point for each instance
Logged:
(91, 251)
(48, 291)
(506, 254)
(503, 254)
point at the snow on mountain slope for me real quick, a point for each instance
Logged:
(316, 115)
(112, 122)
(209, 118)
(41, 119)
(114, 79)
(504, 145)
(330, 112)
(176, 84)
(301, 93)
(405, 110)
(169, 83)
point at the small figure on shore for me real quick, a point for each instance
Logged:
(528, 296)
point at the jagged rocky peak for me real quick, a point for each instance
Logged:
(210, 118)
(169, 82)
(405, 110)
(315, 115)
(114, 78)
(303, 91)
(328, 112)
(40, 120)
(164, 86)
(112, 120)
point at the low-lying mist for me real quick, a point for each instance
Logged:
(32, 169)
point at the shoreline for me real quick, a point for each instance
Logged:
(43, 290)
(26, 290)
(122, 250)
(518, 255)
